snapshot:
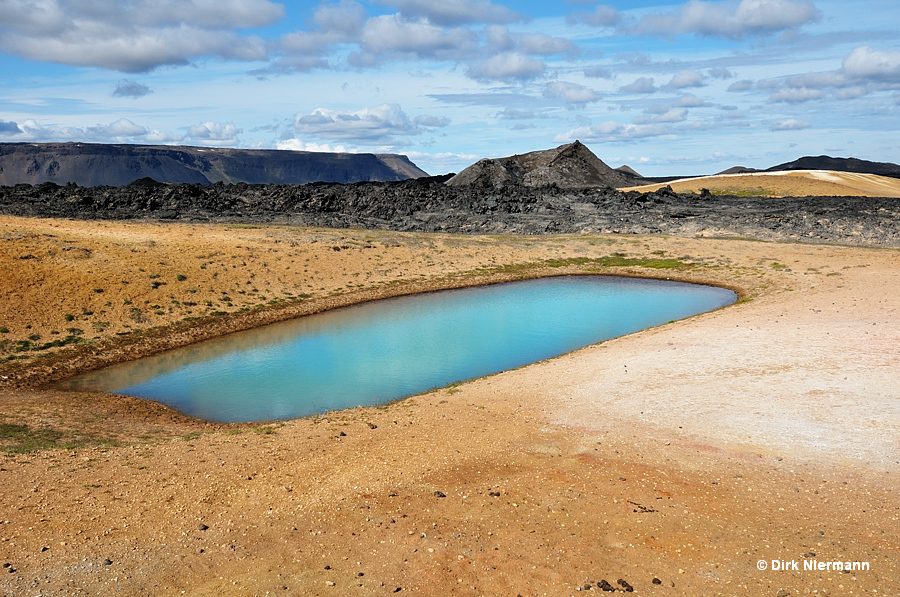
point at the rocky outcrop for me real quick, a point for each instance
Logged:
(428, 205)
(571, 166)
(91, 164)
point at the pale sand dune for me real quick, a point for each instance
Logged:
(794, 183)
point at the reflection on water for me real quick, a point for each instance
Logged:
(380, 351)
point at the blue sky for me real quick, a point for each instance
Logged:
(666, 87)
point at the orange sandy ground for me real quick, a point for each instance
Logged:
(687, 453)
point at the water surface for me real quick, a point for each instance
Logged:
(384, 350)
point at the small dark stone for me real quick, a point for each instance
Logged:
(7, 565)
(605, 586)
(11, 569)
(439, 494)
(397, 589)
(494, 494)
(621, 478)
(372, 425)
(809, 554)
(44, 548)
(107, 562)
(202, 526)
(360, 574)
(625, 586)
(586, 587)
(342, 434)
(656, 581)
(327, 567)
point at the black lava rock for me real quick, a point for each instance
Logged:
(428, 205)
(625, 586)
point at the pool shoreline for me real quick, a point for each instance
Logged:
(83, 359)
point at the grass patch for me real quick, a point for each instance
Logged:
(741, 192)
(21, 439)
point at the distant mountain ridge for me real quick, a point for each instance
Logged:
(95, 164)
(824, 162)
(568, 166)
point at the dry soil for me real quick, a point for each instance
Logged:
(675, 459)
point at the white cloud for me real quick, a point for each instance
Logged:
(545, 45)
(572, 93)
(132, 89)
(742, 85)
(9, 128)
(369, 126)
(863, 71)
(669, 116)
(601, 16)
(796, 95)
(342, 20)
(303, 51)
(428, 121)
(689, 100)
(510, 66)
(456, 12)
(121, 128)
(298, 145)
(134, 35)
(816, 80)
(597, 72)
(789, 125)
(500, 39)
(516, 114)
(613, 131)
(162, 137)
(685, 79)
(419, 38)
(639, 85)
(720, 73)
(866, 63)
(848, 93)
(118, 131)
(214, 133)
(442, 162)
(730, 19)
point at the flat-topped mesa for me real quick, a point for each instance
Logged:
(95, 164)
(570, 166)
